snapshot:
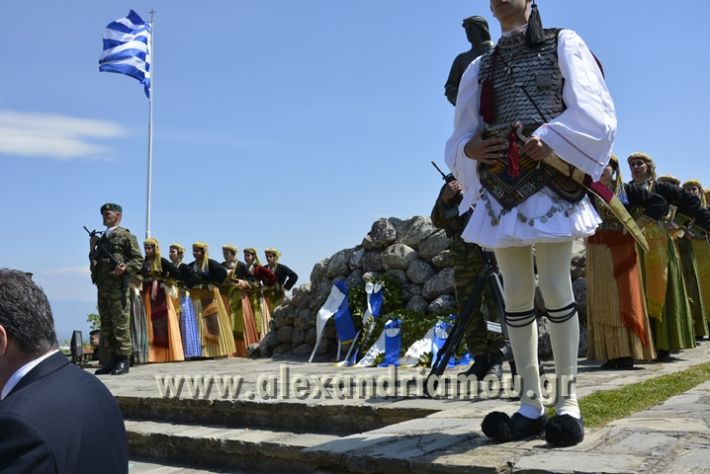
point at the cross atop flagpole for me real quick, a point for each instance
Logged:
(128, 49)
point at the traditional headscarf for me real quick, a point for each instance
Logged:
(618, 180)
(156, 266)
(703, 192)
(232, 248)
(252, 251)
(203, 247)
(667, 178)
(639, 155)
(273, 251)
(180, 249)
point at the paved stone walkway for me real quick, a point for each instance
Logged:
(672, 437)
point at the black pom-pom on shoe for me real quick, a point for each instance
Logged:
(502, 428)
(564, 430)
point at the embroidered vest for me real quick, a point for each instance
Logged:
(515, 72)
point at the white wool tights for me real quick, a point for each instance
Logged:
(553, 265)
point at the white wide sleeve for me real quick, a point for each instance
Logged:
(467, 123)
(584, 133)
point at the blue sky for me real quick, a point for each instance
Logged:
(292, 124)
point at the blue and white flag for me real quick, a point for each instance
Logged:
(127, 49)
(343, 319)
(336, 304)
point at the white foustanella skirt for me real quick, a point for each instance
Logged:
(543, 217)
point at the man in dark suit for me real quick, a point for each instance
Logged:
(54, 417)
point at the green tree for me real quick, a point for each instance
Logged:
(94, 321)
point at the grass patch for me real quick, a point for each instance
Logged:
(602, 407)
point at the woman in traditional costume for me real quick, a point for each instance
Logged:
(539, 95)
(139, 329)
(698, 235)
(215, 327)
(666, 297)
(683, 217)
(285, 279)
(618, 329)
(182, 302)
(164, 339)
(251, 313)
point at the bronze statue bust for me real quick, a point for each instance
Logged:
(479, 36)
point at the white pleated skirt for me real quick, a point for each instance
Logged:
(543, 217)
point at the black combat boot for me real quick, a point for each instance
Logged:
(106, 369)
(479, 368)
(122, 366)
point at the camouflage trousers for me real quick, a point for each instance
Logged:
(467, 268)
(114, 311)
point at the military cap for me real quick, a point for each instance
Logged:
(111, 206)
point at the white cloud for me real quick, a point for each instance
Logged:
(67, 283)
(54, 136)
(76, 270)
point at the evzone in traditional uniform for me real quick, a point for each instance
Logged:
(214, 324)
(549, 83)
(180, 293)
(698, 235)
(618, 328)
(163, 327)
(285, 279)
(666, 297)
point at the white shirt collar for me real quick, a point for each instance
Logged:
(520, 29)
(21, 372)
(110, 230)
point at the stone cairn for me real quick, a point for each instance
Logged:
(412, 252)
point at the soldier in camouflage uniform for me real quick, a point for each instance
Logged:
(115, 257)
(485, 346)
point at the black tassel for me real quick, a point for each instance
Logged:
(535, 35)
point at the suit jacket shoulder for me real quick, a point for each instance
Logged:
(61, 416)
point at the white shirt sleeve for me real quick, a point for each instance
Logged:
(584, 133)
(467, 123)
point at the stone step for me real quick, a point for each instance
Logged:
(136, 466)
(325, 418)
(257, 450)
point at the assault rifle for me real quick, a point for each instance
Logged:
(489, 276)
(101, 251)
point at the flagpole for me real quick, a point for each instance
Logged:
(149, 191)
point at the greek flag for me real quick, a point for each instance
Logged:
(127, 49)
